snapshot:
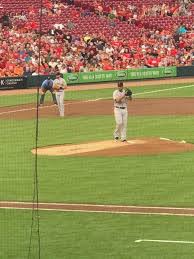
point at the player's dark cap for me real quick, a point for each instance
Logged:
(120, 84)
(58, 74)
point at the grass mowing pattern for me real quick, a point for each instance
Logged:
(152, 180)
(139, 180)
(84, 235)
(103, 93)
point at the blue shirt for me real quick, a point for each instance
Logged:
(182, 30)
(47, 83)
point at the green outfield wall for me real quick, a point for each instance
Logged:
(130, 74)
(100, 76)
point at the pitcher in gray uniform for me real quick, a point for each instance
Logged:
(120, 112)
(59, 84)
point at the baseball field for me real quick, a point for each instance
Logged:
(99, 199)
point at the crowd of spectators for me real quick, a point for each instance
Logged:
(23, 52)
(132, 12)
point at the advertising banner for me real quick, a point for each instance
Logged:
(94, 77)
(71, 78)
(130, 74)
(13, 82)
(145, 73)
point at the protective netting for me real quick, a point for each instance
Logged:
(18, 179)
(56, 164)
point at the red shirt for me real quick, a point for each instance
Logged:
(153, 62)
(181, 44)
(2, 64)
(107, 67)
(173, 52)
(116, 43)
(126, 55)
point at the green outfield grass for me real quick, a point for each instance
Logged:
(139, 92)
(158, 180)
(84, 235)
(153, 180)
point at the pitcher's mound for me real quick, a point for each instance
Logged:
(142, 146)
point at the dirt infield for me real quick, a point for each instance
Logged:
(115, 209)
(145, 107)
(160, 106)
(135, 83)
(110, 148)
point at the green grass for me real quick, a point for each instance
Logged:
(161, 181)
(183, 90)
(158, 180)
(139, 92)
(97, 236)
(153, 180)
(17, 99)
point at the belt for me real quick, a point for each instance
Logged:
(120, 107)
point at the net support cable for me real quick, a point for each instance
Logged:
(35, 220)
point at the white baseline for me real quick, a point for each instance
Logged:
(164, 241)
(164, 90)
(98, 99)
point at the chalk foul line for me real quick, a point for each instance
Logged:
(49, 106)
(164, 241)
(97, 208)
(164, 90)
(93, 100)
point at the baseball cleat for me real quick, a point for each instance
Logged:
(124, 140)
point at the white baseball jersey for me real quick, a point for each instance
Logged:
(60, 94)
(123, 102)
(121, 115)
(60, 82)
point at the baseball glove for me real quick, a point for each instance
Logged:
(128, 92)
(56, 87)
